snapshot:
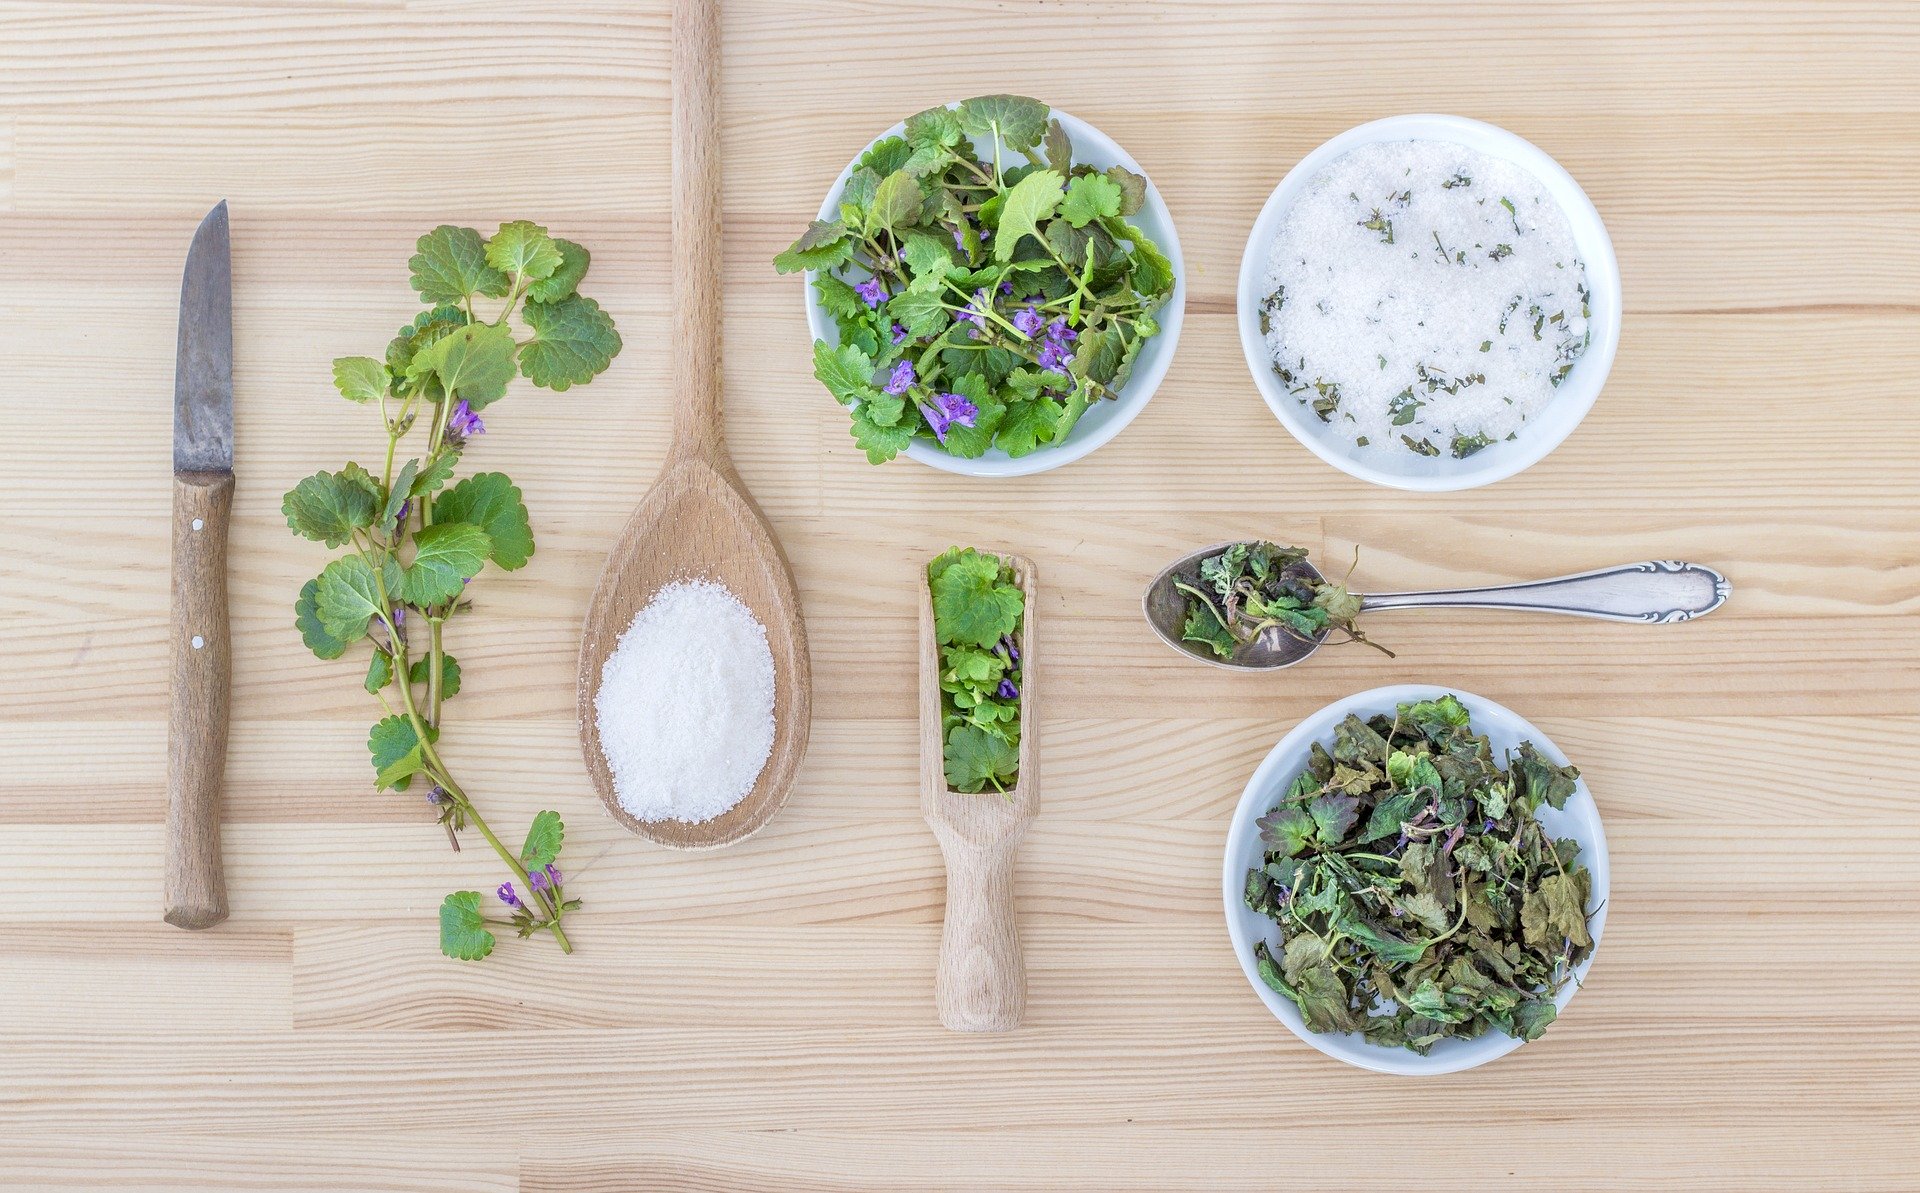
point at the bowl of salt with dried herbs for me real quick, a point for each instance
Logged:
(1429, 303)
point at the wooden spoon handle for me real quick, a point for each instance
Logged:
(698, 429)
(982, 981)
(197, 722)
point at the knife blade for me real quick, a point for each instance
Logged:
(196, 889)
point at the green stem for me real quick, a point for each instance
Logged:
(439, 772)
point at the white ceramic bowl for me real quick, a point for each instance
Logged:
(1505, 730)
(1104, 420)
(1571, 400)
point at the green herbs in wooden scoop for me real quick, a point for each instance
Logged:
(1251, 588)
(1417, 897)
(415, 537)
(986, 290)
(978, 612)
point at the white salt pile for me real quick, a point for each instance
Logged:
(1424, 296)
(685, 708)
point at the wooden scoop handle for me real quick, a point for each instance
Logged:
(698, 428)
(982, 980)
(197, 719)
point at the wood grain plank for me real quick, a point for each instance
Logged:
(763, 1017)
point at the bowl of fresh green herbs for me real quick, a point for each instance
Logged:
(994, 289)
(1416, 880)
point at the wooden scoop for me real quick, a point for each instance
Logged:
(698, 519)
(982, 981)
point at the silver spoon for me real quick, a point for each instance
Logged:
(1656, 591)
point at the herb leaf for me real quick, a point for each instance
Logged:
(573, 342)
(463, 930)
(306, 618)
(359, 378)
(1029, 202)
(523, 247)
(544, 836)
(491, 501)
(473, 362)
(972, 604)
(450, 266)
(328, 507)
(447, 554)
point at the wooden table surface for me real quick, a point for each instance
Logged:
(763, 1016)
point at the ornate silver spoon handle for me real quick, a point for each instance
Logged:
(1659, 590)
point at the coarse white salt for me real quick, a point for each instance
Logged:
(685, 707)
(1423, 296)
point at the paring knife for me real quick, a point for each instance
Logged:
(202, 498)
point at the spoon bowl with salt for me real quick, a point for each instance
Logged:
(1653, 591)
(698, 522)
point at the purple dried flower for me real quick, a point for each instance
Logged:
(1008, 690)
(1401, 843)
(463, 423)
(1453, 838)
(1028, 321)
(537, 880)
(946, 410)
(902, 377)
(899, 333)
(1488, 826)
(873, 292)
(507, 896)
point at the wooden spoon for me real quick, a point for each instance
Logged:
(982, 981)
(698, 519)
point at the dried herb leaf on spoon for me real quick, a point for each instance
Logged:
(1251, 588)
(1417, 896)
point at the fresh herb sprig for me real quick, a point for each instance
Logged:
(1250, 588)
(980, 302)
(978, 612)
(415, 540)
(1406, 867)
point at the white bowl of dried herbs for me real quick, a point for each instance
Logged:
(995, 288)
(1429, 302)
(1416, 880)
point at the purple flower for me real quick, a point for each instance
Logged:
(902, 377)
(1008, 691)
(436, 794)
(1054, 356)
(1006, 287)
(1028, 321)
(537, 880)
(1011, 648)
(959, 240)
(973, 312)
(507, 896)
(1059, 332)
(553, 875)
(1453, 838)
(872, 291)
(406, 507)
(399, 617)
(946, 410)
(1488, 826)
(464, 423)
(899, 333)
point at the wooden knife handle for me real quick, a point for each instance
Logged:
(197, 722)
(982, 981)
